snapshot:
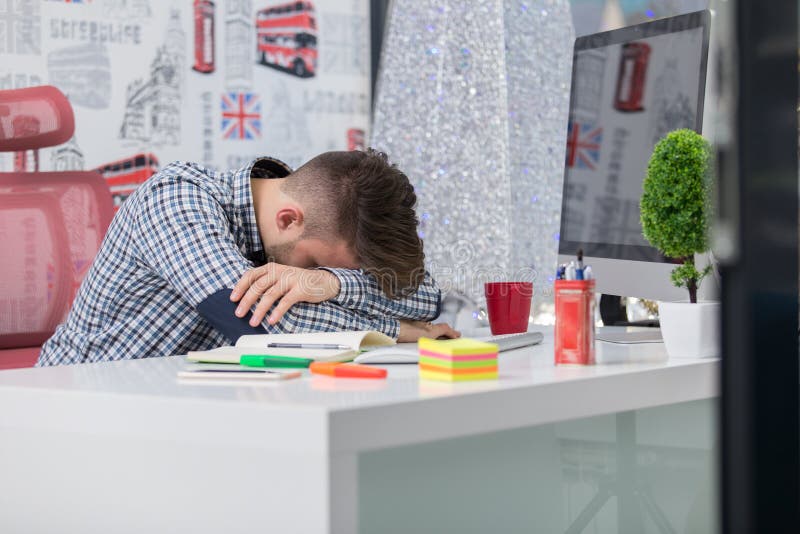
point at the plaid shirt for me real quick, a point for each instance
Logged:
(185, 236)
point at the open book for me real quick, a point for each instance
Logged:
(258, 344)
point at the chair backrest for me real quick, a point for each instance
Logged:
(51, 223)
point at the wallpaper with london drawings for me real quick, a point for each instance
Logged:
(217, 82)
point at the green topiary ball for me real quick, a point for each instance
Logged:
(675, 205)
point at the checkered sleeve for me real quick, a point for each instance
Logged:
(182, 233)
(218, 310)
(331, 317)
(360, 291)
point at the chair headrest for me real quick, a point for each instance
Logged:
(34, 117)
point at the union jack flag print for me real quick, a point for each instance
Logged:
(241, 116)
(583, 145)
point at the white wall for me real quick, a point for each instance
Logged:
(126, 66)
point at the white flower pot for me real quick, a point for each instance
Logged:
(690, 330)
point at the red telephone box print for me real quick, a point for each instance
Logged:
(631, 77)
(204, 36)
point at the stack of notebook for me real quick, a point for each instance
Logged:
(317, 346)
(455, 360)
(258, 356)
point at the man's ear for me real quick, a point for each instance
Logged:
(289, 218)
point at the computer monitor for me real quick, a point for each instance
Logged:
(630, 87)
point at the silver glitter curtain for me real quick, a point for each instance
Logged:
(472, 103)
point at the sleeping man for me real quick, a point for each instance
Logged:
(195, 258)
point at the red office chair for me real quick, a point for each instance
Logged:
(51, 224)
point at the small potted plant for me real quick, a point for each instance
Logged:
(675, 215)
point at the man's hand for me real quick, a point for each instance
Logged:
(291, 285)
(411, 331)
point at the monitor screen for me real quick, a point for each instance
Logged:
(630, 87)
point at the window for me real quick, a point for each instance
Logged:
(306, 40)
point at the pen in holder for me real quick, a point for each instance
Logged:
(574, 332)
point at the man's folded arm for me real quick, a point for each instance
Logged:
(360, 292)
(330, 317)
(192, 249)
(218, 310)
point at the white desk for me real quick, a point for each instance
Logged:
(124, 447)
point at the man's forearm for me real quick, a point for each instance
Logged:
(360, 292)
(330, 317)
(218, 311)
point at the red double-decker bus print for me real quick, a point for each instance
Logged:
(125, 175)
(286, 36)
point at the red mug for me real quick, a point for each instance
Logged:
(509, 306)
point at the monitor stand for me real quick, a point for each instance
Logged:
(651, 335)
(613, 314)
(649, 323)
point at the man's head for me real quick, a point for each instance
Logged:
(352, 210)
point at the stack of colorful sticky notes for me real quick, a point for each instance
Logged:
(455, 360)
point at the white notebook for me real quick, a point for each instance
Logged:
(257, 344)
(213, 372)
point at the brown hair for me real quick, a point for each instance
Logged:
(362, 198)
